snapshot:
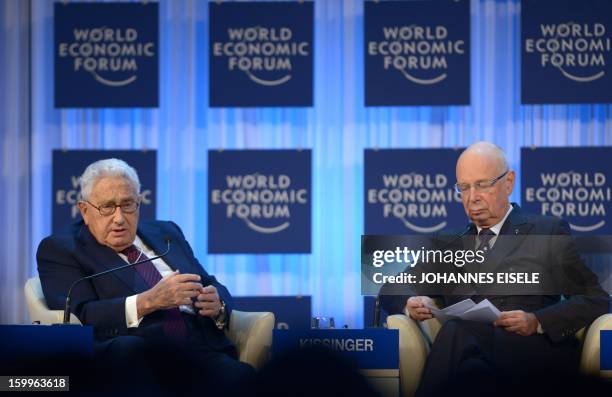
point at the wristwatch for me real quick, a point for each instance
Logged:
(220, 319)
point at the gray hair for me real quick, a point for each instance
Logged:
(105, 168)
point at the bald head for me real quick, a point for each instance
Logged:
(485, 152)
(478, 166)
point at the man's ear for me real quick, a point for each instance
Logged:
(511, 177)
(83, 209)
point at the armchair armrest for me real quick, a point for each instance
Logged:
(589, 361)
(251, 332)
(413, 350)
(37, 306)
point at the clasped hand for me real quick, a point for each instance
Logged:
(180, 289)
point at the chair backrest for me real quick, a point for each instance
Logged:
(37, 306)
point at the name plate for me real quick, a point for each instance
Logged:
(375, 348)
(605, 351)
(31, 342)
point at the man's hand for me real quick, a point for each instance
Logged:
(417, 309)
(519, 322)
(208, 302)
(172, 291)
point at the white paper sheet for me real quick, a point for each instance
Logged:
(484, 311)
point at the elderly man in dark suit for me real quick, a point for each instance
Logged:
(535, 332)
(171, 301)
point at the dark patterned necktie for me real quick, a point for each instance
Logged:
(484, 237)
(174, 325)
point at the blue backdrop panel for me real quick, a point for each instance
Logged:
(410, 191)
(68, 166)
(261, 53)
(417, 52)
(290, 312)
(106, 54)
(259, 201)
(566, 51)
(572, 183)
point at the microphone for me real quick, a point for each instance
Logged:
(377, 312)
(95, 275)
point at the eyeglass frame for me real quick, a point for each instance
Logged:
(476, 185)
(99, 208)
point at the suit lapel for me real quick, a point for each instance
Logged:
(106, 258)
(155, 239)
(512, 234)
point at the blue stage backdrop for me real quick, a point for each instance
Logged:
(259, 201)
(566, 51)
(185, 127)
(106, 54)
(290, 312)
(411, 191)
(68, 166)
(261, 53)
(417, 52)
(573, 183)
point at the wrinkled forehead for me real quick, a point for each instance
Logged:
(113, 189)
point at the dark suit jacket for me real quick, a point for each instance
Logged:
(100, 302)
(524, 245)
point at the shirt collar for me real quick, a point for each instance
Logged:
(138, 243)
(497, 227)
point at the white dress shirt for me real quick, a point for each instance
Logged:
(495, 228)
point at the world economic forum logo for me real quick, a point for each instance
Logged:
(413, 197)
(254, 198)
(573, 195)
(417, 53)
(579, 51)
(413, 50)
(110, 55)
(265, 55)
(259, 201)
(106, 54)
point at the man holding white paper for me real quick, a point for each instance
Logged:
(532, 332)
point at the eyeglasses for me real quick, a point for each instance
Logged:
(128, 207)
(480, 186)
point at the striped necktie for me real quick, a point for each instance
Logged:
(174, 325)
(484, 238)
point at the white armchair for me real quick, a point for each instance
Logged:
(416, 338)
(251, 332)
